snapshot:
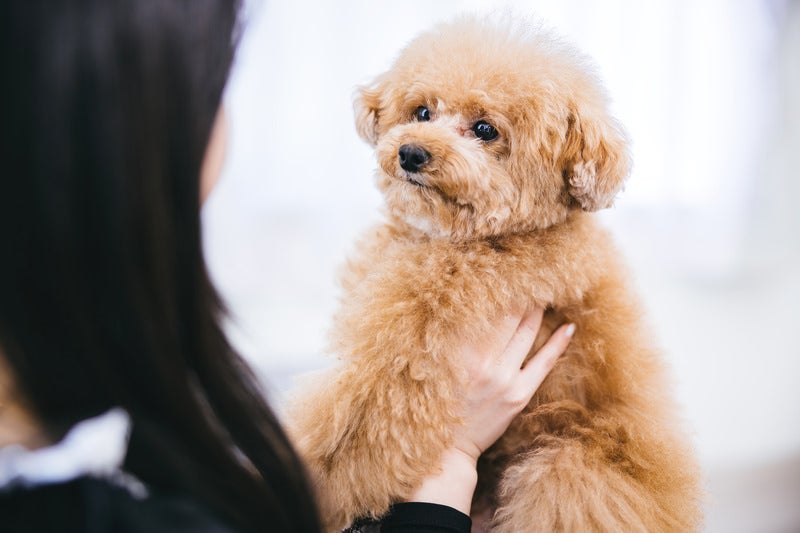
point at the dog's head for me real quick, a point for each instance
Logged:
(484, 129)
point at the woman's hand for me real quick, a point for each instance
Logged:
(498, 388)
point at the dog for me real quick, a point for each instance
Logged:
(494, 144)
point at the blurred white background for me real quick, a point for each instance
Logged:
(710, 94)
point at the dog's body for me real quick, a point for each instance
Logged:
(483, 219)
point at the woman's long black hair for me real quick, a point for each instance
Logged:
(106, 108)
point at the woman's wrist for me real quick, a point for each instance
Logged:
(454, 485)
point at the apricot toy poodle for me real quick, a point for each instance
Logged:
(495, 144)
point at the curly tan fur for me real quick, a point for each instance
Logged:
(486, 225)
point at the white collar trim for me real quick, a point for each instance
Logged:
(94, 447)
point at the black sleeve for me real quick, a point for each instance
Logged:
(417, 517)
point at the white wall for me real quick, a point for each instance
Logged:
(709, 93)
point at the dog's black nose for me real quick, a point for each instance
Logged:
(412, 157)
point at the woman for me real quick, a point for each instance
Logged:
(108, 120)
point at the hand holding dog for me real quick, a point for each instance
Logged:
(499, 387)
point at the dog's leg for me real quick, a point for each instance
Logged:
(369, 438)
(599, 481)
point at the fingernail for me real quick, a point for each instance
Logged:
(570, 331)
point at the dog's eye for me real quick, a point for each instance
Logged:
(484, 131)
(422, 114)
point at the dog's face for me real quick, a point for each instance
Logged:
(482, 131)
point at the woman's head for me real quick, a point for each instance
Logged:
(107, 108)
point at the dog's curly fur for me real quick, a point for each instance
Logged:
(482, 226)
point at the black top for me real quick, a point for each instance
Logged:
(91, 505)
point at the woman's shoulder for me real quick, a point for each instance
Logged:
(93, 505)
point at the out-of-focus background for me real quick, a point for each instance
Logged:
(710, 94)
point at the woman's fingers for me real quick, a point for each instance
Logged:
(506, 330)
(521, 341)
(498, 387)
(542, 362)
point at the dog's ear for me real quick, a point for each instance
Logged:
(594, 159)
(366, 105)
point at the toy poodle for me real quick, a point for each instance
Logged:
(494, 145)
